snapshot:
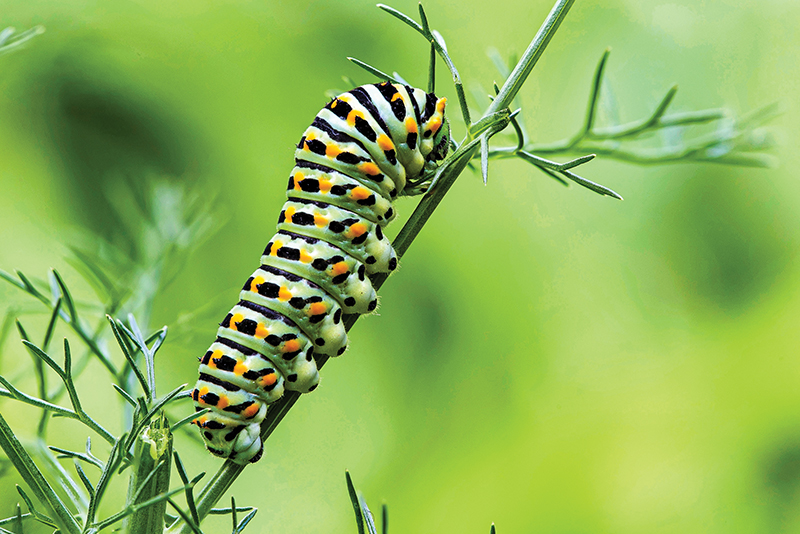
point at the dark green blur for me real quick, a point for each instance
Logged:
(546, 359)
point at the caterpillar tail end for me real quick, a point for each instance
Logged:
(247, 448)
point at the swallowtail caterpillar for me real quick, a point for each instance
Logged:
(365, 148)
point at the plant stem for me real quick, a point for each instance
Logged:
(532, 54)
(226, 475)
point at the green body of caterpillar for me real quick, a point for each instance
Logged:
(352, 162)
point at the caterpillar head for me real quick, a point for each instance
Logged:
(435, 136)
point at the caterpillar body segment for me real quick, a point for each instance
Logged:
(338, 273)
(358, 155)
(315, 312)
(359, 237)
(324, 184)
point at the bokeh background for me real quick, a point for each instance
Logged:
(546, 359)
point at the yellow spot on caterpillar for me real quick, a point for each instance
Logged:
(317, 308)
(335, 101)
(202, 391)
(385, 143)
(310, 136)
(261, 331)
(320, 221)
(284, 294)
(293, 345)
(237, 318)
(200, 421)
(339, 268)
(257, 281)
(251, 410)
(325, 185)
(434, 124)
(351, 117)
(289, 213)
(369, 168)
(305, 257)
(360, 193)
(240, 369)
(275, 246)
(397, 96)
(214, 355)
(298, 177)
(411, 125)
(332, 151)
(440, 104)
(223, 402)
(268, 380)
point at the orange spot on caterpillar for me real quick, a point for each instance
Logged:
(360, 193)
(325, 185)
(434, 124)
(440, 104)
(385, 143)
(298, 177)
(411, 125)
(320, 221)
(289, 213)
(339, 268)
(222, 403)
(309, 137)
(214, 355)
(251, 410)
(332, 150)
(237, 318)
(351, 117)
(293, 345)
(284, 294)
(317, 308)
(369, 168)
(305, 257)
(268, 380)
(202, 391)
(358, 229)
(240, 369)
(257, 281)
(261, 331)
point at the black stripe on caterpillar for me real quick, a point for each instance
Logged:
(358, 155)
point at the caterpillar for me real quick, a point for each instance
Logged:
(365, 148)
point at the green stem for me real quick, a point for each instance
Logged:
(28, 471)
(532, 54)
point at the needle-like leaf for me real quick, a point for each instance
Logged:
(372, 70)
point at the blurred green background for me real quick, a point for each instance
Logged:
(545, 359)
